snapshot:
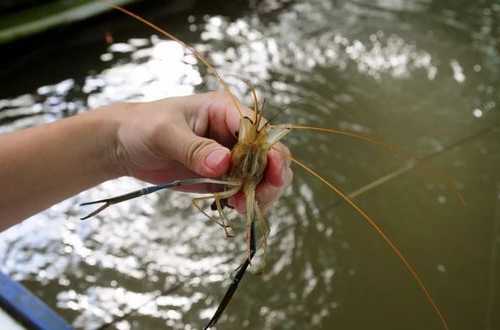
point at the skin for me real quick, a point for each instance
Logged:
(160, 141)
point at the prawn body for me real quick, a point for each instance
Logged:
(249, 154)
(248, 165)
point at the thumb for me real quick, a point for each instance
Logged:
(201, 155)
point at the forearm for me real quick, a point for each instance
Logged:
(44, 165)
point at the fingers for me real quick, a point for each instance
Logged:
(224, 117)
(277, 163)
(277, 177)
(218, 116)
(268, 194)
(203, 156)
(199, 137)
(200, 155)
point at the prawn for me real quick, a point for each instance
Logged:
(256, 137)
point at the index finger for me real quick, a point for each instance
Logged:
(224, 117)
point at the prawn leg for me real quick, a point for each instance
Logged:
(195, 204)
(235, 281)
(148, 190)
(218, 197)
(263, 226)
(250, 211)
(223, 216)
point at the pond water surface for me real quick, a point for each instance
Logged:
(421, 74)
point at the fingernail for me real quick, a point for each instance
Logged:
(215, 158)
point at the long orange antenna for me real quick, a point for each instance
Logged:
(340, 132)
(189, 47)
(379, 230)
(451, 183)
(257, 109)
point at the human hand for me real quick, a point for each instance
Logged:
(186, 137)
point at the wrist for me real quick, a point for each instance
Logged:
(105, 127)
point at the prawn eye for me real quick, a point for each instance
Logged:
(236, 133)
(223, 203)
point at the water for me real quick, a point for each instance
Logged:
(422, 74)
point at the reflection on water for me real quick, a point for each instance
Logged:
(422, 74)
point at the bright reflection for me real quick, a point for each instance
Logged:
(159, 69)
(458, 72)
(257, 55)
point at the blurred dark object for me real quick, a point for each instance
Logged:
(19, 19)
(12, 6)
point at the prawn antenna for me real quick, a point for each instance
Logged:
(280, 111)
(256, 109)
(450, 181)
(240, 272)
(185, 45)
(262, 105)
(381, 233)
